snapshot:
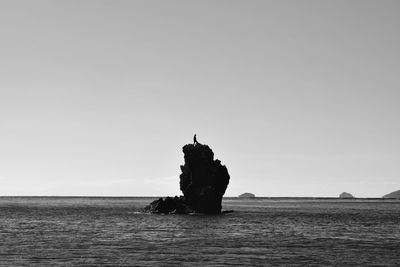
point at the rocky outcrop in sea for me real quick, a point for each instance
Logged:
(203, 182)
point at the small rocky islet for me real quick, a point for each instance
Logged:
(247, 195)
(346, 195)
(203, 182)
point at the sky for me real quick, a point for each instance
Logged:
(296, 98)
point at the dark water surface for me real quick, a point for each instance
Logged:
(112, 231)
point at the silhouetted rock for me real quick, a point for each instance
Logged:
(346, 195)
(395, 194)
(169, 205)
(203, 182)
(247, 195)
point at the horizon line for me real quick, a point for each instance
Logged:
(256, 197)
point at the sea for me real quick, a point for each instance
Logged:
(113, 231)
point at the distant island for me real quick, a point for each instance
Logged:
(395, 194)
(247, 195)
(346, 195)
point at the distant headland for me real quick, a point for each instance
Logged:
(395, 194)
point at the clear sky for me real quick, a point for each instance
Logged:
(296, 98)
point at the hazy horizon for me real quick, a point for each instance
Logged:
(296, 98)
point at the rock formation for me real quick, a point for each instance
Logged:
(203, 182)
(395, 194)
(346, 195)
(247, 195)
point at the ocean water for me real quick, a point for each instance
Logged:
(261, 232)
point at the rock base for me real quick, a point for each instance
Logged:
(169, 205)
